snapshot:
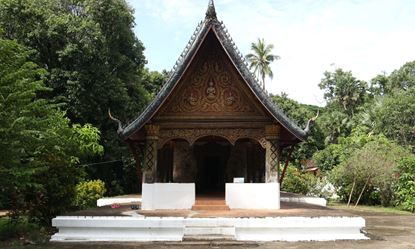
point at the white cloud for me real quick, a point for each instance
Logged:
(366, 37)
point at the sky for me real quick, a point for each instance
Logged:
(311, 36)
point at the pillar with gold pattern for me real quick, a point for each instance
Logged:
(272, 153)
(150, 154)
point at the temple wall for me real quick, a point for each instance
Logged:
(237, 163)
(184, 163)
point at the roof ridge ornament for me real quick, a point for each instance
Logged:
(211, 12)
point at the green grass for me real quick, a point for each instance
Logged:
(365, 208)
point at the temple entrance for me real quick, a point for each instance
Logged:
(212, 155)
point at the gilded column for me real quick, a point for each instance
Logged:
(272, 153)
(150, 154)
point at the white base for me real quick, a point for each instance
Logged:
(119, 200)
(253, 195)
(88, 228)
(306, 199)
(167, 196)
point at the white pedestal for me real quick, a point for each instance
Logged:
(167, 196)
(253, 195)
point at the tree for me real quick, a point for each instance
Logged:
(394, 116)
(301, 113)
(261, 59)
(403, 78)
(342, 89)
(405, 186)
(94, 62)
(369, 170)
(40, 150)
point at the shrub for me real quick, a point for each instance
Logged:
(405, 186)
(88, 192)
(295, 181)
(367, 174)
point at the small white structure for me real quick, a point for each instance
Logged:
(252, 195)
(168, 196)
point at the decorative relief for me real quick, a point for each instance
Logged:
(232, 135)
(208, 89)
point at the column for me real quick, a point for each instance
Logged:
(272, 153)
(150, 154)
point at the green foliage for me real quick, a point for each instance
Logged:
(405, 185)
(394, 116)
(261, 59)
(296, 181)
(88, 192)
(368, 171)
(301, 113)
(403, 78)
(12, 229)
(344, 90)
(93, 59)
(334, 154)
(40, 149)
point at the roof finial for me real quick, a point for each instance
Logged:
(211, 12)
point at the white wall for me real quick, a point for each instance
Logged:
(113, 228)
(253, 195)
(167, 196)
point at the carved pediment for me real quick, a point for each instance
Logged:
(211, 87)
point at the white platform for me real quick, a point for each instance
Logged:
(88, 228)
(306, 199)
(106, 201)
(167, 196)
(253, 195)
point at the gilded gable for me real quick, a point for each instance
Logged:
(211, 87)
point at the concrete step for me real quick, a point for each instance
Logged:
(210, 202)
(196, 231)
(212, 237)
(210, 207)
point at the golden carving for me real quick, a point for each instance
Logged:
(152, 130)
(210, 88)
(232, 135)
(272, 131)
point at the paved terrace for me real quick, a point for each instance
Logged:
(287, 209)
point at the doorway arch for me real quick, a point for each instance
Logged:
(212, 155)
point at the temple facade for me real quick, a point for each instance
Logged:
(211, 129)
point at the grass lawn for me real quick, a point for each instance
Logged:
(371, 209)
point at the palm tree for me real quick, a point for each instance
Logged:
(261, 59)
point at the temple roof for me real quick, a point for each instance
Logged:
(211, 23)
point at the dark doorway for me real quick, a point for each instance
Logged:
(212, 155)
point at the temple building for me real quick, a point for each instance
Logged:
(211, 130)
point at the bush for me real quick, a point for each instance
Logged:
(23, 230)
(88, 192)
(366, 176)
(295, 181)
(405, 186)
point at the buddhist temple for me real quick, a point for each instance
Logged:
(211, 130)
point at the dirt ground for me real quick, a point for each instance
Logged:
(390, 231)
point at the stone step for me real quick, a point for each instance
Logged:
(210, 207)
(211, 237)
(210, 202)
(196, 231)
